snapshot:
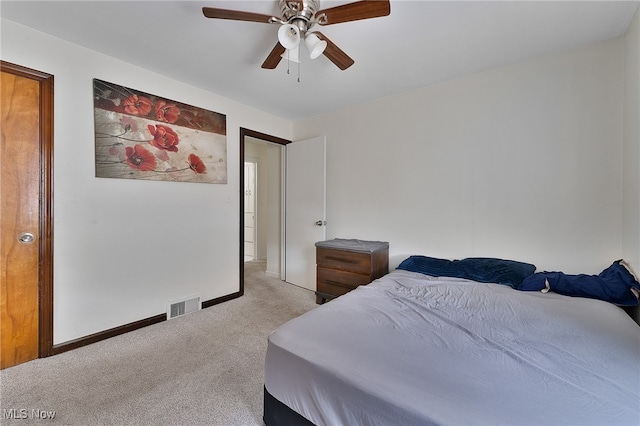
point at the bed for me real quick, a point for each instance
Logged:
(416, 349)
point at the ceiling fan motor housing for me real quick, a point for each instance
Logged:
(302, 17)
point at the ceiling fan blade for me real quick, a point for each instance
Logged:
(335, 54)
(364, 9)
(274, 57)
(236, 15)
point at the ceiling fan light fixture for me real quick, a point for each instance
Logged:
(292, 55)
(315, 45)
(289, 36)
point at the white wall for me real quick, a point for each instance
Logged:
(631, 148)
(274, 207)
(522, 162)
(124, 248)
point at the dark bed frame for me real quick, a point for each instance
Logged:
(278, 414)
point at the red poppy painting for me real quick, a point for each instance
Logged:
(143, 136)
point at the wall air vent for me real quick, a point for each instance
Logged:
(183, 307)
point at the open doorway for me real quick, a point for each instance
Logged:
(266, 152)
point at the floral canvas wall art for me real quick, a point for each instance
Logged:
(142, 136)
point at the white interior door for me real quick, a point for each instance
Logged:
(305, 212)
(249, 211)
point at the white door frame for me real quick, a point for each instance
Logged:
(283, 217)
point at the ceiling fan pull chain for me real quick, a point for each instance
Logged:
(299, 71)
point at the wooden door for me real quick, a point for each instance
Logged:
(26, 113)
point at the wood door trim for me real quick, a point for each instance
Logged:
(45, 247)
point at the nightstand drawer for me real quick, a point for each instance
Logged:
(333, 278)
(331, 291)
(344, 260)
(346, 264)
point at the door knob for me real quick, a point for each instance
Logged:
(321, 223)
(26, 238)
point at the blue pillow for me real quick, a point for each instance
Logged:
(481, 269)
(425, 265)
(612, 285)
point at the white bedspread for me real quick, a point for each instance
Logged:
(410, 349)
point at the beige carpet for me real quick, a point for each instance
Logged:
(206, 368)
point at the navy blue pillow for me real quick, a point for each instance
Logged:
(481, 269)
(426, 265)
(612, 285)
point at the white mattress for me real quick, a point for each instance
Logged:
(410, 349)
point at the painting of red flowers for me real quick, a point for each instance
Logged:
(196, 164)
(140, 158)
(163, 137)
(143, 136)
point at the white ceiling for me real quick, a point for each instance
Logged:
(419, 44)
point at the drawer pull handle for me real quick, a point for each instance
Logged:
(340, 259)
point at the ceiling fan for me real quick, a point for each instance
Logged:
(298, 17)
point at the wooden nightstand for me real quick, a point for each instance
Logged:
(343, 265)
